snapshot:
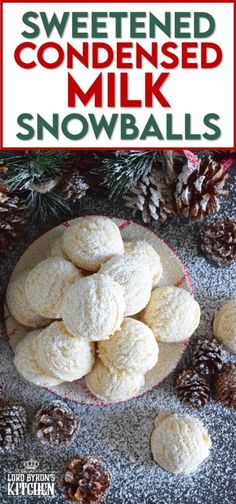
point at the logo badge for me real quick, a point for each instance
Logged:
(31, 465)
(30, 480)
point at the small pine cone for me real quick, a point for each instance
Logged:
(13, 424)
(225, 385)
(198, 186)
(86, 479)
(55, 424)
(152, 196)
(192, 388)
(207, 357)
(13, 217)
(217, 241)
(74, 187)
(3, 168)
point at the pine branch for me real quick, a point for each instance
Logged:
(27, 167)
(34, 177)
(122, 168)
(44, 205)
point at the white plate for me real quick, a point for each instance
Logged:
(174, 273)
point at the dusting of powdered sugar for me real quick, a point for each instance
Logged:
(120, 434)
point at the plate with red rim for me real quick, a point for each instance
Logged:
(175, 273)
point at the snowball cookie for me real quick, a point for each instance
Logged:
(18, 304)
(134, 276)
(132, 348)
(92, 241)
(179, 443)
(172, 314)
(93, 308)
(224, 325)
(111, 384)
(26, 363)
(55, 248)
(62, 355)
(144, 250)
(47, 283)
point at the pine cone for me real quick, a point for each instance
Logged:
(73, 186)
(13, 423)
(225, 385)
(3, 168)
(217, 241)
(192, 388)
(197, 187)
(86, 479)
(55, 424)
(152, 196)
(207, 357)
(13, 216)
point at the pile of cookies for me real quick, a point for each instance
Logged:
(94, 310)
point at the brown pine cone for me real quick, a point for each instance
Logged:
(86, 479)
(152, 196)
(217, 241)
(197, 188)
(3, 168)
(225, 385)
(192, 388)
(73, 186)
(55, 424)
(13, 424)
(13, 217)
(207, 357)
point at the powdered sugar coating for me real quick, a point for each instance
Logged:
(143, 249)
(26, 362)
(224, 325)
(63, 355)
(134, 276)
(172, 314)
(18, 304)
(132, 348)
(92, 241)
(111, 384)
(93, 308)
(47, 284)
(179, 442)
